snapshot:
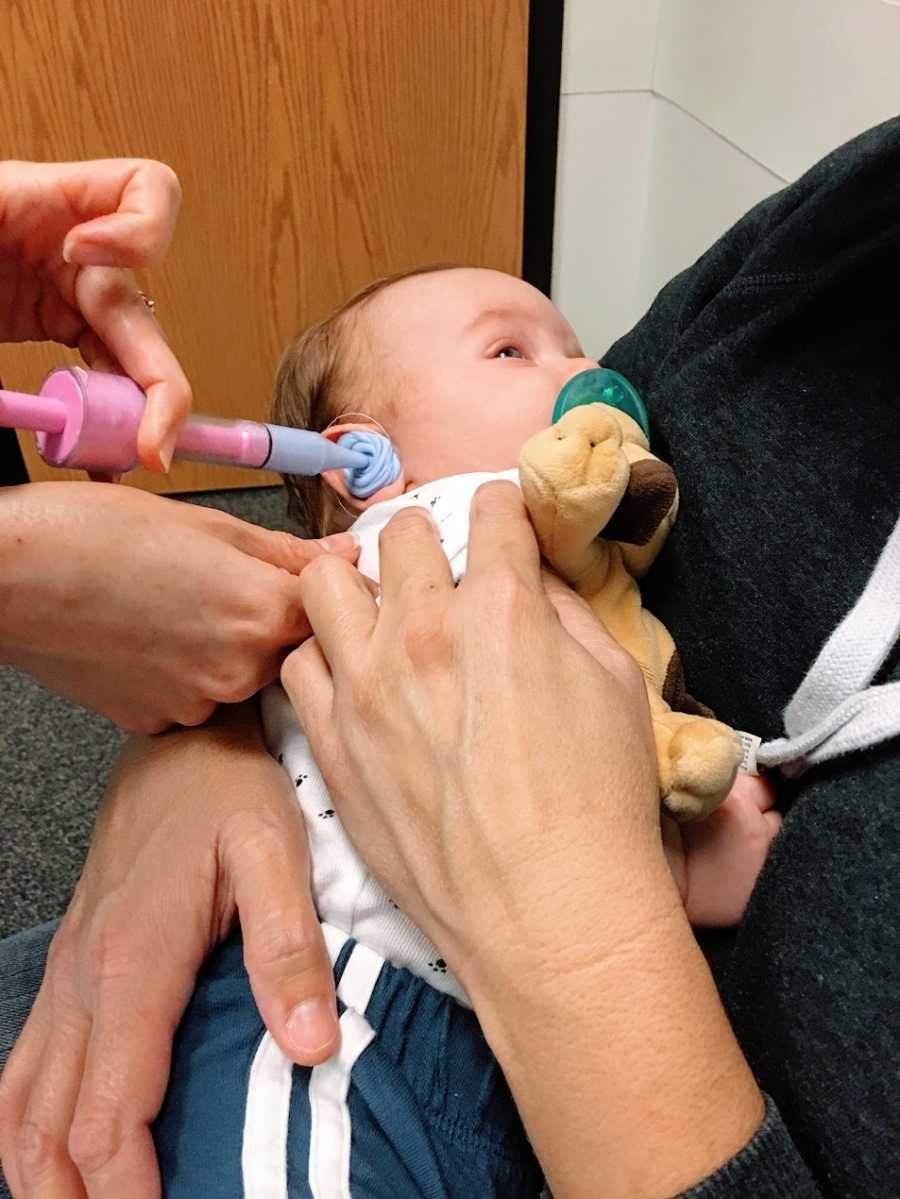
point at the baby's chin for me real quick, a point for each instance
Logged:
(485, 465)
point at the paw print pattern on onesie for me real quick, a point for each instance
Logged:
(438, 516)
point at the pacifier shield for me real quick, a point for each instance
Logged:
(600, 385)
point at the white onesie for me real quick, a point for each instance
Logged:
(345, 894)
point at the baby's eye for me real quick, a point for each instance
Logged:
(509, 352)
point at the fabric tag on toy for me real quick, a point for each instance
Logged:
(750, 743)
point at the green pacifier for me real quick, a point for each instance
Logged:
(600, 385)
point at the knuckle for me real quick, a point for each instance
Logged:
(61, 952)
(171, 182)
(289, 548)
(254, 840)
(507, 597)
(365, 699)
(110, 954)
(94, 1139)
(500, 497)
(193, 715)
(232, 680)
(425, 641)
(38, 1149)
(278, 946)
(408, 523)
(130, 722)
(8, 1119)
(292, 670)
(320, 571)
(231, 685)
(295, 664)
(181, 395)
(150, 726)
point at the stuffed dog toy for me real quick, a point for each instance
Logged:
(602, 506)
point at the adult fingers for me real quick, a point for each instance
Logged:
(284, 952)
(121, 319)
(576, 617)
(45, 1166)
(591, 634)
(282, 549)
(307, 680)
(98, 358)
(501, 537)
(340, 608)
(29, 1152)
(283, 553)
(411, 557)
(126, 209)
(136, 1012)
(95, 353)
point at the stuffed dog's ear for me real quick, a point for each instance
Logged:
(647, 500)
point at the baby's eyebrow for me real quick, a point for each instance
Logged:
(487, 315)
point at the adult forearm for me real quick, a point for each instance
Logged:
(20, 553)
(617, 1049)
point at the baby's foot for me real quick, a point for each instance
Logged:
(716, 861)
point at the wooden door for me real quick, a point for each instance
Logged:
(320, 143)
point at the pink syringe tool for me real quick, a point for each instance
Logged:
(89, 420)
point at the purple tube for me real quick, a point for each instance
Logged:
(21, 411)
(89, 420)
(101, 415)
(227, 442)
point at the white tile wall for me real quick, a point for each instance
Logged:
(608, 45)
(785, 80)
(604, 146)
(678, 115)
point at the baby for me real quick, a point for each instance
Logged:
(460, 367)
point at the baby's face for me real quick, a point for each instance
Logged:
(476, 360)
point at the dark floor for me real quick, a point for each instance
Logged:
(54, 760)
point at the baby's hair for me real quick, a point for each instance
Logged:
(313, 386)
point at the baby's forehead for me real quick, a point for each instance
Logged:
(458, 297)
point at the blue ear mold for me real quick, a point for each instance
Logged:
(382, 465)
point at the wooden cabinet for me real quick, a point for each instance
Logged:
(319, 143)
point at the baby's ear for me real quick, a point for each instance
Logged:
(338, 484)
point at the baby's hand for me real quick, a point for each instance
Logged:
(715, 862)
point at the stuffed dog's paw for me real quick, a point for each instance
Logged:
(698, 760)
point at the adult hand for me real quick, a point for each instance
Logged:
(148, 610)
(406, 699)
(67, 231)
(500, 781)
(163, 882)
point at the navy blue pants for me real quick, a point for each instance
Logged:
(414, 1105)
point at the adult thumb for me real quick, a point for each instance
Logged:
(286, 551)
(284, 950)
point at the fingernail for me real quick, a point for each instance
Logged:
(167, 450)
(67, 251)
(311, 1025)
(340, 542)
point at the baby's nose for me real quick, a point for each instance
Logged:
(569, 367)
